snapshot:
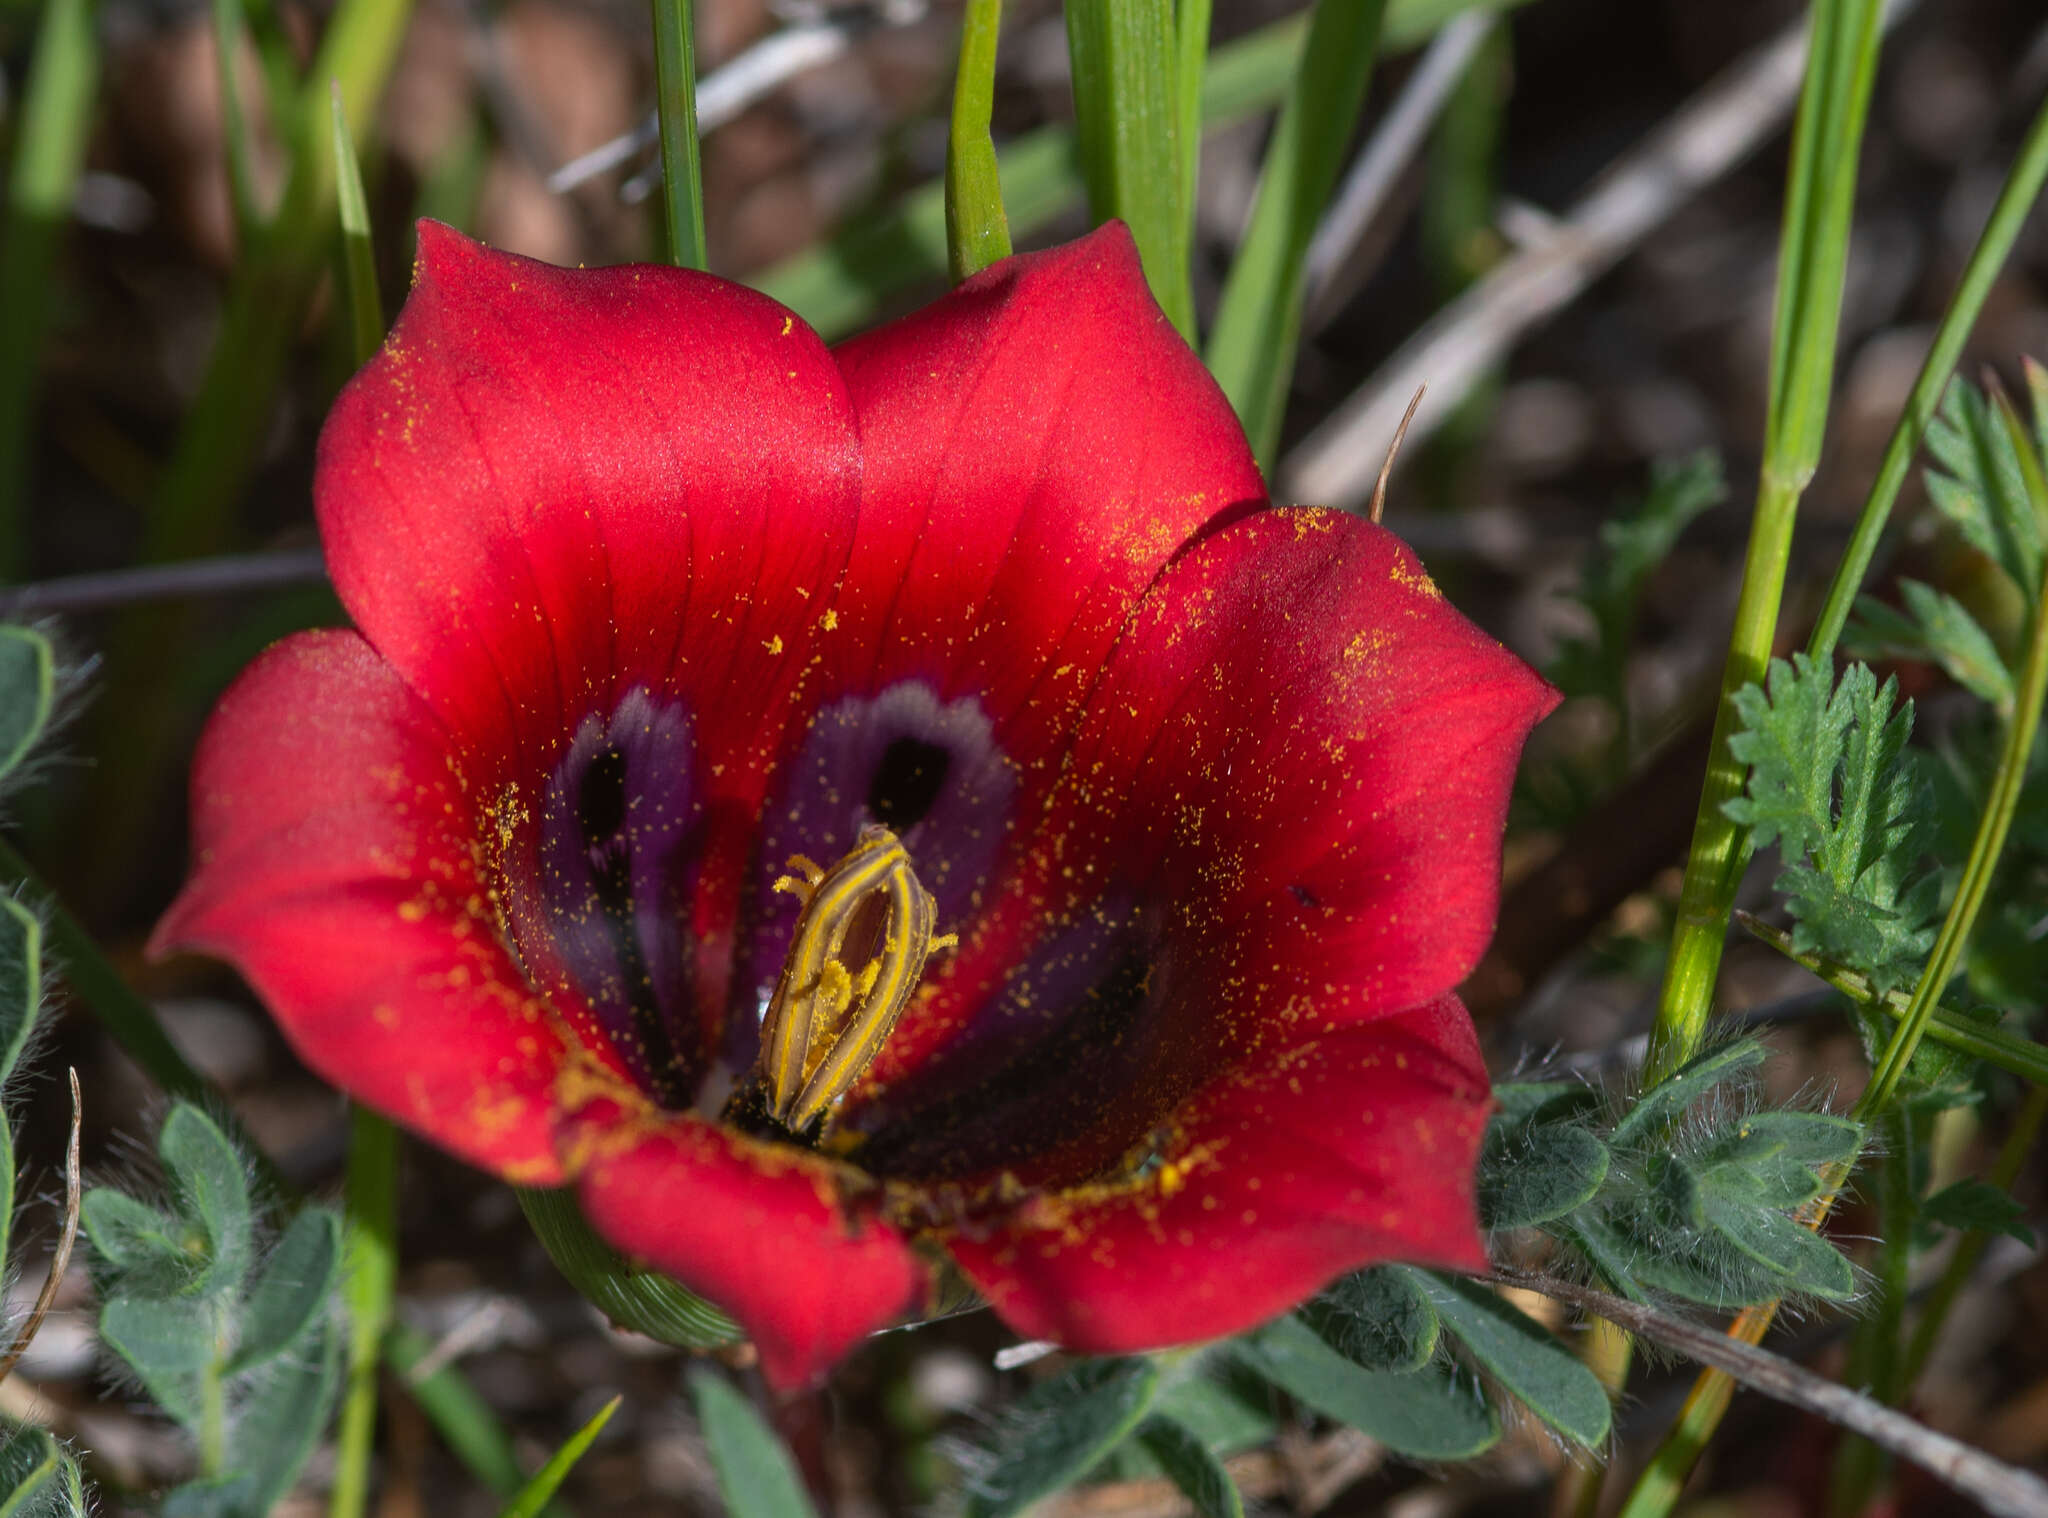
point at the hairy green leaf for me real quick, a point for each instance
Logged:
(1532, 1174)
(756, 1477)
(147, 1252)
(1833, 783)
(1522, 1355)
(291, 1293)
(1935, 628)
(28, 691)
(1978, 485)
(1057, 1430)
(1378, 1318)
(1808, 1262)
(21, 980)
(1193, 1467)
(1428, 1414)
(170, 1343)
(1977, 1205)
(1668, 1100)
(38, 1477)
(212, 1191)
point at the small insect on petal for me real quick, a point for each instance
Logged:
(859, 949)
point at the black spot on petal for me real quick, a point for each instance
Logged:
(907, 782)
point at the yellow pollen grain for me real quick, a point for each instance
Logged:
(774, 644)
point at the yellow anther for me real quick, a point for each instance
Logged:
(825, 1024)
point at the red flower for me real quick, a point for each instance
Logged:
(655, 593)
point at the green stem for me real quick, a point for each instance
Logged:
(2022, 187)
(2010, 1052)
(213, 1418)
(1813, 255)
(372, 1211)
(463, 1419)
(2019, 1145)
(682, 168)
(50, 140)
(977, 231)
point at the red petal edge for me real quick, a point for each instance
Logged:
(764, 1233)
(1353, 1149)
(332, 866)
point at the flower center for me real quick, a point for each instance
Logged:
(859, 949)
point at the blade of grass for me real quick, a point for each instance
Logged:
(1124, 68)
(2015, 200)
(372, 1262)
(49, 153)
(843, 285)
(1258, 324)
(462, 1418)
(228, 32)
(535, 1494)
(1191, 59)
(675, 94)
(977, 232)
(1813, 254)
(358, 257)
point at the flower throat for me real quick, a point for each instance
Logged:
(857, 954)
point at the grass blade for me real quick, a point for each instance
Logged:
(1191, 48)
(1124, 66)
(372, 1265)
(977, 232)
(50, 138)
(535, 1494)
(675, 97)
(1258, 325)
(228, 32)
(358, 258)
(847, 283)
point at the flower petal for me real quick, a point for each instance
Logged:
(1035, 445)
(333, 866)
(761, 1230)
(1306, 749)
(552, 485)
(1355, 1148)
(1284, 805)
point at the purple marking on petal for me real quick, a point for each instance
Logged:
(930, 772)
(1059, 1054)
(618, 835)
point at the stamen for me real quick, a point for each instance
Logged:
(827, 1020)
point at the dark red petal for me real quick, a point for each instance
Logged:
(1034, 446)
(333, 865)
(1353, 1148)
(1308, 751)
(554, 484)
(762, 1231)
